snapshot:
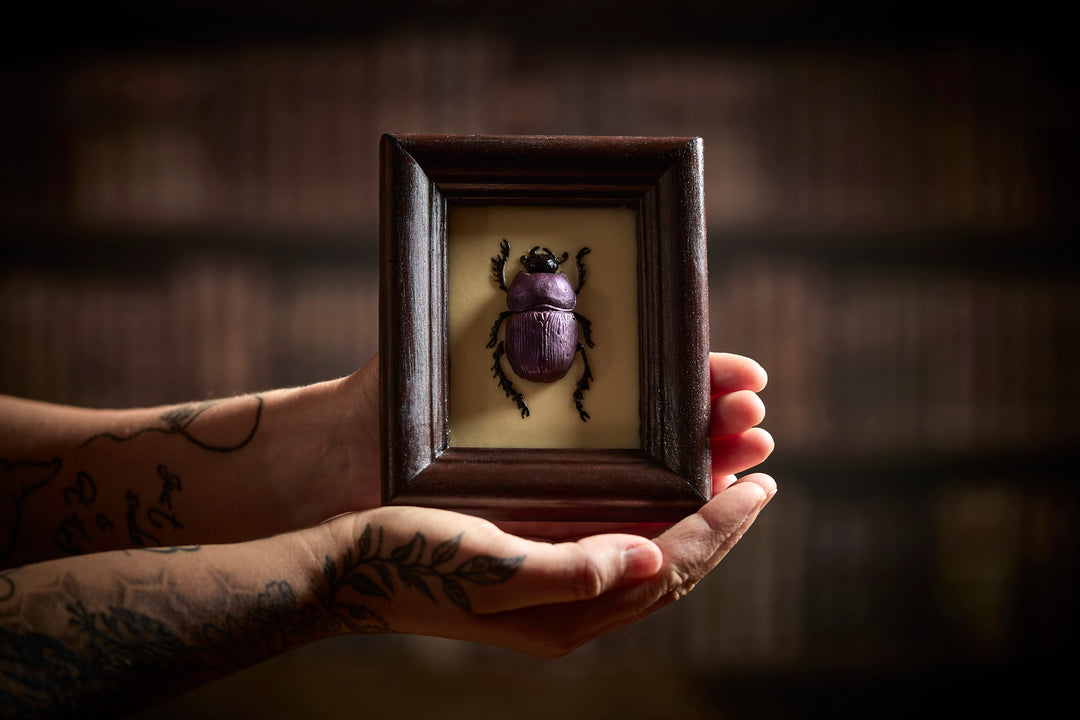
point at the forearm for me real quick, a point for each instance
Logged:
(111, 632)
(75, 481)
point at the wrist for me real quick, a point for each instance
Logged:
(305, 454)
(322, 449)
(340, 594)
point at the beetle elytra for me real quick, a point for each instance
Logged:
(541, 323)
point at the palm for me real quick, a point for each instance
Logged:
(547, 597)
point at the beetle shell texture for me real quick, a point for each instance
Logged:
(540, 291)
(542, 332)
(540, 344)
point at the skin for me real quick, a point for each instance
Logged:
(131, 569)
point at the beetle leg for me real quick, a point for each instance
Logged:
(494, 338)
(581, 270)
(505, 384)
(498, 265)
(586, 328)
(582, 384)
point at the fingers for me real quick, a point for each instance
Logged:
(736, 444)
(563, 595)
(691, 548)
(736, 412)
(736, 453)
(697, 544)
(765, 482)
(730, 373)
(488, 570)
(723, 482)
(582, 570)
(562, 531)
(715, 528)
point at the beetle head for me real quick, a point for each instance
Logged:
(542, 260)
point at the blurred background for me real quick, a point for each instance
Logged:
(189, 209)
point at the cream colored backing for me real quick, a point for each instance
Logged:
(480, 413)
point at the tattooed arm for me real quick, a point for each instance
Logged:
(115, 631)
(76, 481)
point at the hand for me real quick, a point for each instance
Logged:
(434, 572)
(548, 598)
(737, 444)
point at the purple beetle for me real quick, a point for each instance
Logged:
(541, 325)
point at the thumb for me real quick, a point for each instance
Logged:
(568, 571)
(694, 546)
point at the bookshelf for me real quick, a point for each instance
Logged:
(887, 226)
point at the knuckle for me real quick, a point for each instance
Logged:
(678, 593)
(588, 579)
(679, 585)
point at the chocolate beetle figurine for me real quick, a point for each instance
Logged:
(541, 325)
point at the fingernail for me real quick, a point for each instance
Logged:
(641, 561)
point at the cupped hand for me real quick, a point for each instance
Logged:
(434, 572)
(440, 573)
(737, 444)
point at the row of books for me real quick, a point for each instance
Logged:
(203, 329)
(886, 358)
(286, 137)
(882, 360)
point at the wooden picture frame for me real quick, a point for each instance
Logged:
(421, 176)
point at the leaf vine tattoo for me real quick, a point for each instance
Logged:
(370, 573)
(68, 648)
(178, 420)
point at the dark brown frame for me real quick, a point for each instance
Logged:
(659, 177)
